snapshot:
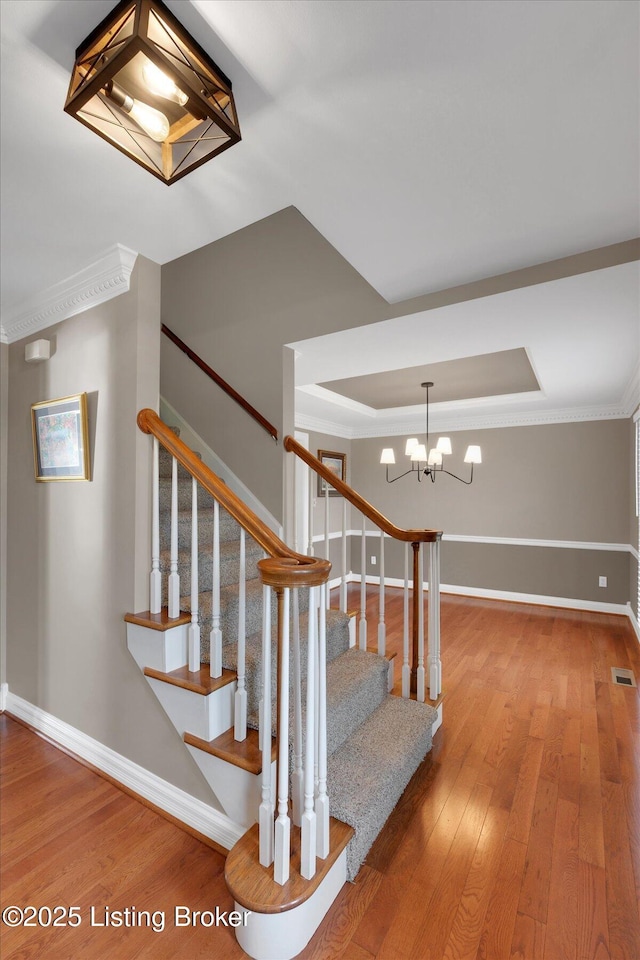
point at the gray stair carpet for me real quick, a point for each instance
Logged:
(375, 742)
(337, 644)
(368, 774)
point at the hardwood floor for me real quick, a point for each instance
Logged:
(517, 839)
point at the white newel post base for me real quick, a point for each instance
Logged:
(281, 936)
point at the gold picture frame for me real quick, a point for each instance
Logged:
(337, 463)
(61, 439)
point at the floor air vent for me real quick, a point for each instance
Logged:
(623, 677)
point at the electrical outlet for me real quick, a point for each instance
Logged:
(602, 581)
(373, 561)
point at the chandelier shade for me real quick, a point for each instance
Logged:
(431, 464)
(146, 86)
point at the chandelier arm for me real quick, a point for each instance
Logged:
(401, 475)
(455, 477)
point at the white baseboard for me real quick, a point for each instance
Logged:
(634, 620)
(178, 804)
(4, 690)
(595, 606)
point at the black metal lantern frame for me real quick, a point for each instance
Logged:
(143, 83)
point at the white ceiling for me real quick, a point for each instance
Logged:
(431, 142)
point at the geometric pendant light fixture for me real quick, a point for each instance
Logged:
(427, 461)
(143, 83)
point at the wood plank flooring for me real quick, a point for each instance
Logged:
(517, 839)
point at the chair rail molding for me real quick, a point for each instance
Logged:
(105, 278)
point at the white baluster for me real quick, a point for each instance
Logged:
(265, 816)
(297, 780)
(322, 801)
(343, 582)
(406, 668)
(240, 700)
(382, 630)
(290, 479)
(155, 580)
(327, 547)
(363, 585)
(435, 665)
(283, 824)
(174, 576)
(193, 634)
(326, 521)
(420, 588)
(215, 636)
(311, 499)
(308, 827)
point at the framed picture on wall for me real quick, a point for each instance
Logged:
(337, 464)
(61, 439)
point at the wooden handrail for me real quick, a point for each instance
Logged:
(369, 511)
(294, 569)
(228, 389)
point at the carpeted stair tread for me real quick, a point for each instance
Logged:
(368, 774)
(184, 494)
(229, 528)
(356, 686)
(337, 643)
(229, 564)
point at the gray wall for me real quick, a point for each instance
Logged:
(80, 551)
(535, 483)
(634, 520)
(4, 460)
(236, 302)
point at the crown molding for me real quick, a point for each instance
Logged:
(631, 396)
(305, 422)
(452, 423)
(102, 280)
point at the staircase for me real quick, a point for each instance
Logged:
(374, 741)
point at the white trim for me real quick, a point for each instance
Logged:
(304, 422)
(505, 541)
(329, 396)
(484, 593)
(170, 415)
(634, 621)
(102, 280)
(524, 542)
(631, 395)
(4, 690)
(571, 603)
(451, 422)
(180, 805)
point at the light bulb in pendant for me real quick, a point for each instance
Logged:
(152, 121)
(161, 85)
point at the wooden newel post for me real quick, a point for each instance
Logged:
(415, 617)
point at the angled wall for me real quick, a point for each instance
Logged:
(237, 302)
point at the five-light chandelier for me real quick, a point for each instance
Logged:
(427, 461)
